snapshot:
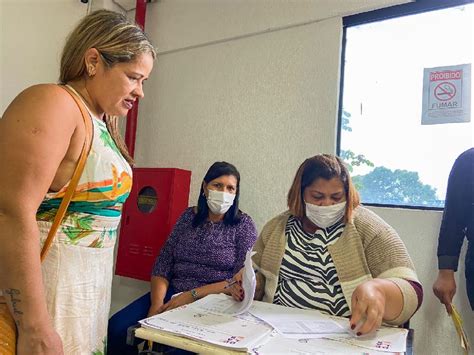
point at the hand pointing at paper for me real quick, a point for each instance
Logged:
(374, 301)
(368, 306)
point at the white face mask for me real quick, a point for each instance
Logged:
(325, 216)
(219, 202)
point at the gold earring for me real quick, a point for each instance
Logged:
(90, 70)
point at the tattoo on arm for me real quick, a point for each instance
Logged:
(15, 301)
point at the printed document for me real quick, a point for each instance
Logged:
(292, 323)
(204, 321)
(279, 345)
(296, 323)
(386, 339)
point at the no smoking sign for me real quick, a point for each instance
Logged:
(446, 94)
(445, 91)
(444, 88)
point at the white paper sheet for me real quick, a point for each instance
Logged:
(300, 324)
(219, 304)
(296, 323)
(385, 339)
(200, 320)
(276, 344)
(249, 283)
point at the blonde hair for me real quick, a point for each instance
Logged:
(323, 166)
(117, 40)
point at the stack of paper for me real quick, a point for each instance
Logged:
(296, 323)
(204, 320)
(313, 328)
(272, 329)
(277, 344)
(266, 328)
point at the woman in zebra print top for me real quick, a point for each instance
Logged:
(308, 278)
(329, 253)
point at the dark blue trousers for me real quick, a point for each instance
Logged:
(119, 323)
(127, 317)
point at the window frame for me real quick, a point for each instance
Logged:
(412, 8)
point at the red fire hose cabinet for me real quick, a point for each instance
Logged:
(157, 199)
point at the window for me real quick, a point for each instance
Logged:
(394, 159)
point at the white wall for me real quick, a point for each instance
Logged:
(177, 24)
(32, 34)
(252, 82)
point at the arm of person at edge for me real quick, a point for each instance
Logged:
(41, 137)
(452, 233)
(444, 288)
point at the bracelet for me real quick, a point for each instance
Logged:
(194, 294)
(230, 282)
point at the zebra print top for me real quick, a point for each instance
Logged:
(308, 277)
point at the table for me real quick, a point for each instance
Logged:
(176, 341)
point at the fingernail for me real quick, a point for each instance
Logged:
(359, 334)
(353, 326)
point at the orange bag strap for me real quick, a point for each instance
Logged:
(75, 176)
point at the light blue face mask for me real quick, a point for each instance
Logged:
(325, 216)
(219, 202)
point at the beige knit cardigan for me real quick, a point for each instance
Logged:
(368, 248)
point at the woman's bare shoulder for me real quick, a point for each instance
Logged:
(42, 97)
(44, 108)
(41, 116)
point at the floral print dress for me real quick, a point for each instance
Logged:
(77, 272)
